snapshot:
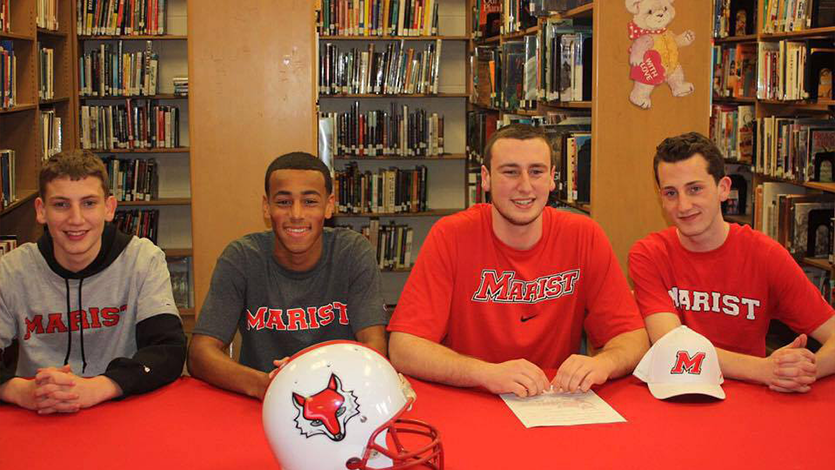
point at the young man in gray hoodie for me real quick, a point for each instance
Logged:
(123, 336)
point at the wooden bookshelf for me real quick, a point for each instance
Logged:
(178, 252)
(163, 37)
(740, 219)
(174, 201)
(393, 38)
(446, 156)
(153, 150)
(583, 11)
(736, 39)
(159, 96)
(821, 263)
(429, 213)
(575, 205)
(20, 125)
(807, 33)
(398, 96)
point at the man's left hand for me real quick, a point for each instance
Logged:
(578, 373)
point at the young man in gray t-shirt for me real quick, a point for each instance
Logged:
(289, 288)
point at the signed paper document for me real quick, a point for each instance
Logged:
(562, 409)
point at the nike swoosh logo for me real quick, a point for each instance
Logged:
(524, 318)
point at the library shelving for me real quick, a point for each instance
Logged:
(446, 172)
(21, 125)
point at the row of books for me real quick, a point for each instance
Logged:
(47, 14)
(822, 280)
(46, 73)
(180, 86)
(396, 132)
(378, 18)
(144, 223)
(781, 16)
(395, 70)
(735, 70)
(486, 18)
(798, 219)
(120, 17)
(8, 75)
(8, 192)
(564, 61)
(7, 243)
(180, 271)
(391, 242)
(5, 16)
(795, 148)
(480, 127)
(795, 70)
(110, 71)
(51, 133)
(138, 124)
(517, 16)
(732, 130)
(388, 191)
(134, 179)
(734, 18)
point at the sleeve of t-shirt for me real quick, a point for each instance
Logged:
(610, 306)
(225, 301)
(650, 292)
(800, 304)
(423, 308)
(365, 301)
(155, 294)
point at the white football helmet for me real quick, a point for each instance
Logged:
(333, 406)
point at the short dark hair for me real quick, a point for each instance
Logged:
(520, 132)
(684, 146)
(298, 161)
(75, 164)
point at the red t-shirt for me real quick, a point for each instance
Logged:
(729, 294)
(479, 297)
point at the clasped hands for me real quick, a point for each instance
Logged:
(58, 390)
(791, 368)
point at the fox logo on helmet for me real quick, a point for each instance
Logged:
(326, 412)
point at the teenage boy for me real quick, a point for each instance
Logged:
(91, 307)
(723, 280)
(503, 290)
(289, 288)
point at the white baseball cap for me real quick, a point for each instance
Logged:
(681, 362)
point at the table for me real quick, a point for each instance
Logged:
(190, 424)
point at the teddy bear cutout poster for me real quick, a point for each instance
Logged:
(653, 56)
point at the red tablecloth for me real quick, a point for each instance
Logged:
(193, 425)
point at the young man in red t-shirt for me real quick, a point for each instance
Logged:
(503, 290)
(723, 280)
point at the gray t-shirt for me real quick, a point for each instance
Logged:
(278, 311)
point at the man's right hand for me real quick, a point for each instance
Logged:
(520, 377)
(791, 368)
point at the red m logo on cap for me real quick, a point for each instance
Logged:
(686, 363)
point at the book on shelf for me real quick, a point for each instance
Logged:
(732, 129)
(47, 14)
(513, 76)
(571, 145)
(111, 70)
(739, 201)
(566, 61)
(144, 223)
(485, 65)
(799, 148)
(137, 124)
(180, 86)
(823, 13)
(487, 18)
(766, 218)
(120, 17)
(795, 70)
(397, 69)
(180, 270)
(551, 7)
(734, 18)
(7, 243)
(8, 75)
(46, 72)
(517, 16)
(400, 131)
(387, 191)
(391, 242)
(51, 133)
(5, 16)
(781, 16)
(378, 18)
(8, 191)
(735, 70)
(480, 127)
(135, 179)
